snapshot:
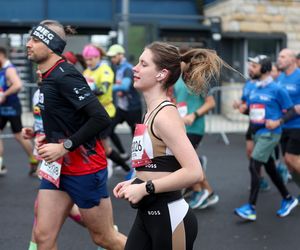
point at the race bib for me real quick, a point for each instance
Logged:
(139, 156)
(182, 108)
(257, 113)
(51, 171)
(91, 83)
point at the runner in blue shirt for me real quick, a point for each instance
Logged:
(11, 110)
(241, 105)
(290, 140)
(265, 103)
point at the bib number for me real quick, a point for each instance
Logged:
(182, 108)
(51, 171)
(139, 156)
(257, 113)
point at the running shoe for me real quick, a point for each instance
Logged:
(246, 212)
(3, 170)
(264, 185)
(287, 206)
(212, 199)
(131, 174)
(33, 169)
(203, 160)
(187, 192)
(198, 198)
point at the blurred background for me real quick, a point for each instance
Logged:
(236, 29)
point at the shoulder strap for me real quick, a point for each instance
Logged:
(163, 105)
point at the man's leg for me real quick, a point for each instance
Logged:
(53, 208)
(99, 221)
(3, 121)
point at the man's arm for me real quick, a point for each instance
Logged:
(98, 120)
(14, 82)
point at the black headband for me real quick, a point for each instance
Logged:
(49, 38)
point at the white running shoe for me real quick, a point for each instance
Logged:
(3, 170)
(211, 200)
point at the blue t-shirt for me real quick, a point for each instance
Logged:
(11, 106)
(193, 102)
(292, 84)
(267, 103)
(248, 87)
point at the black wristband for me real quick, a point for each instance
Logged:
(289, 115)
(196, 114)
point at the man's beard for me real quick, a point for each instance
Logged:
(256, 76)
(282, 68)
(37, 60)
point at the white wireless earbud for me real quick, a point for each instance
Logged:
(159, 75)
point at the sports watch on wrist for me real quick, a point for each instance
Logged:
(150, 187)
(68, 144)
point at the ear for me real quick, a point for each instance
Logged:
(162, 74)
(159, 75)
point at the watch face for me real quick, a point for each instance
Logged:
(150, 187)
(68, 144)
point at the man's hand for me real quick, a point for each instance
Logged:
(272, 124)
(236, 104)
(50, 152)
(297, 108)
(243, 107)
(2, 97)
(27, 133)
(189, 119)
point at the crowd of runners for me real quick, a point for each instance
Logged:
(80, 100)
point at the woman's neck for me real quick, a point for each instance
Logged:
(153, 100)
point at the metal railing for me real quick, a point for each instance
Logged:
(224, 119)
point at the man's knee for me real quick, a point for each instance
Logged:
(103, 239)
(43, 237)
(290, 161)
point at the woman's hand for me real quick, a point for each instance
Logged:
(119, 186)
(51, 152)
(131, 192)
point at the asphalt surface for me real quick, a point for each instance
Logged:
(218, 227)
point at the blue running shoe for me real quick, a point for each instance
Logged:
(246, 212)
(287, 206)
(198, 198)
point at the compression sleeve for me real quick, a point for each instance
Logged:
(98, 120)
(289, 115)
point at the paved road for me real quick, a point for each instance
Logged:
(218, 228)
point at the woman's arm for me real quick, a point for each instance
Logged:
(169, 127)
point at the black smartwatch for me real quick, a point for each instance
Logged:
(68, 144)
(150, 187)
